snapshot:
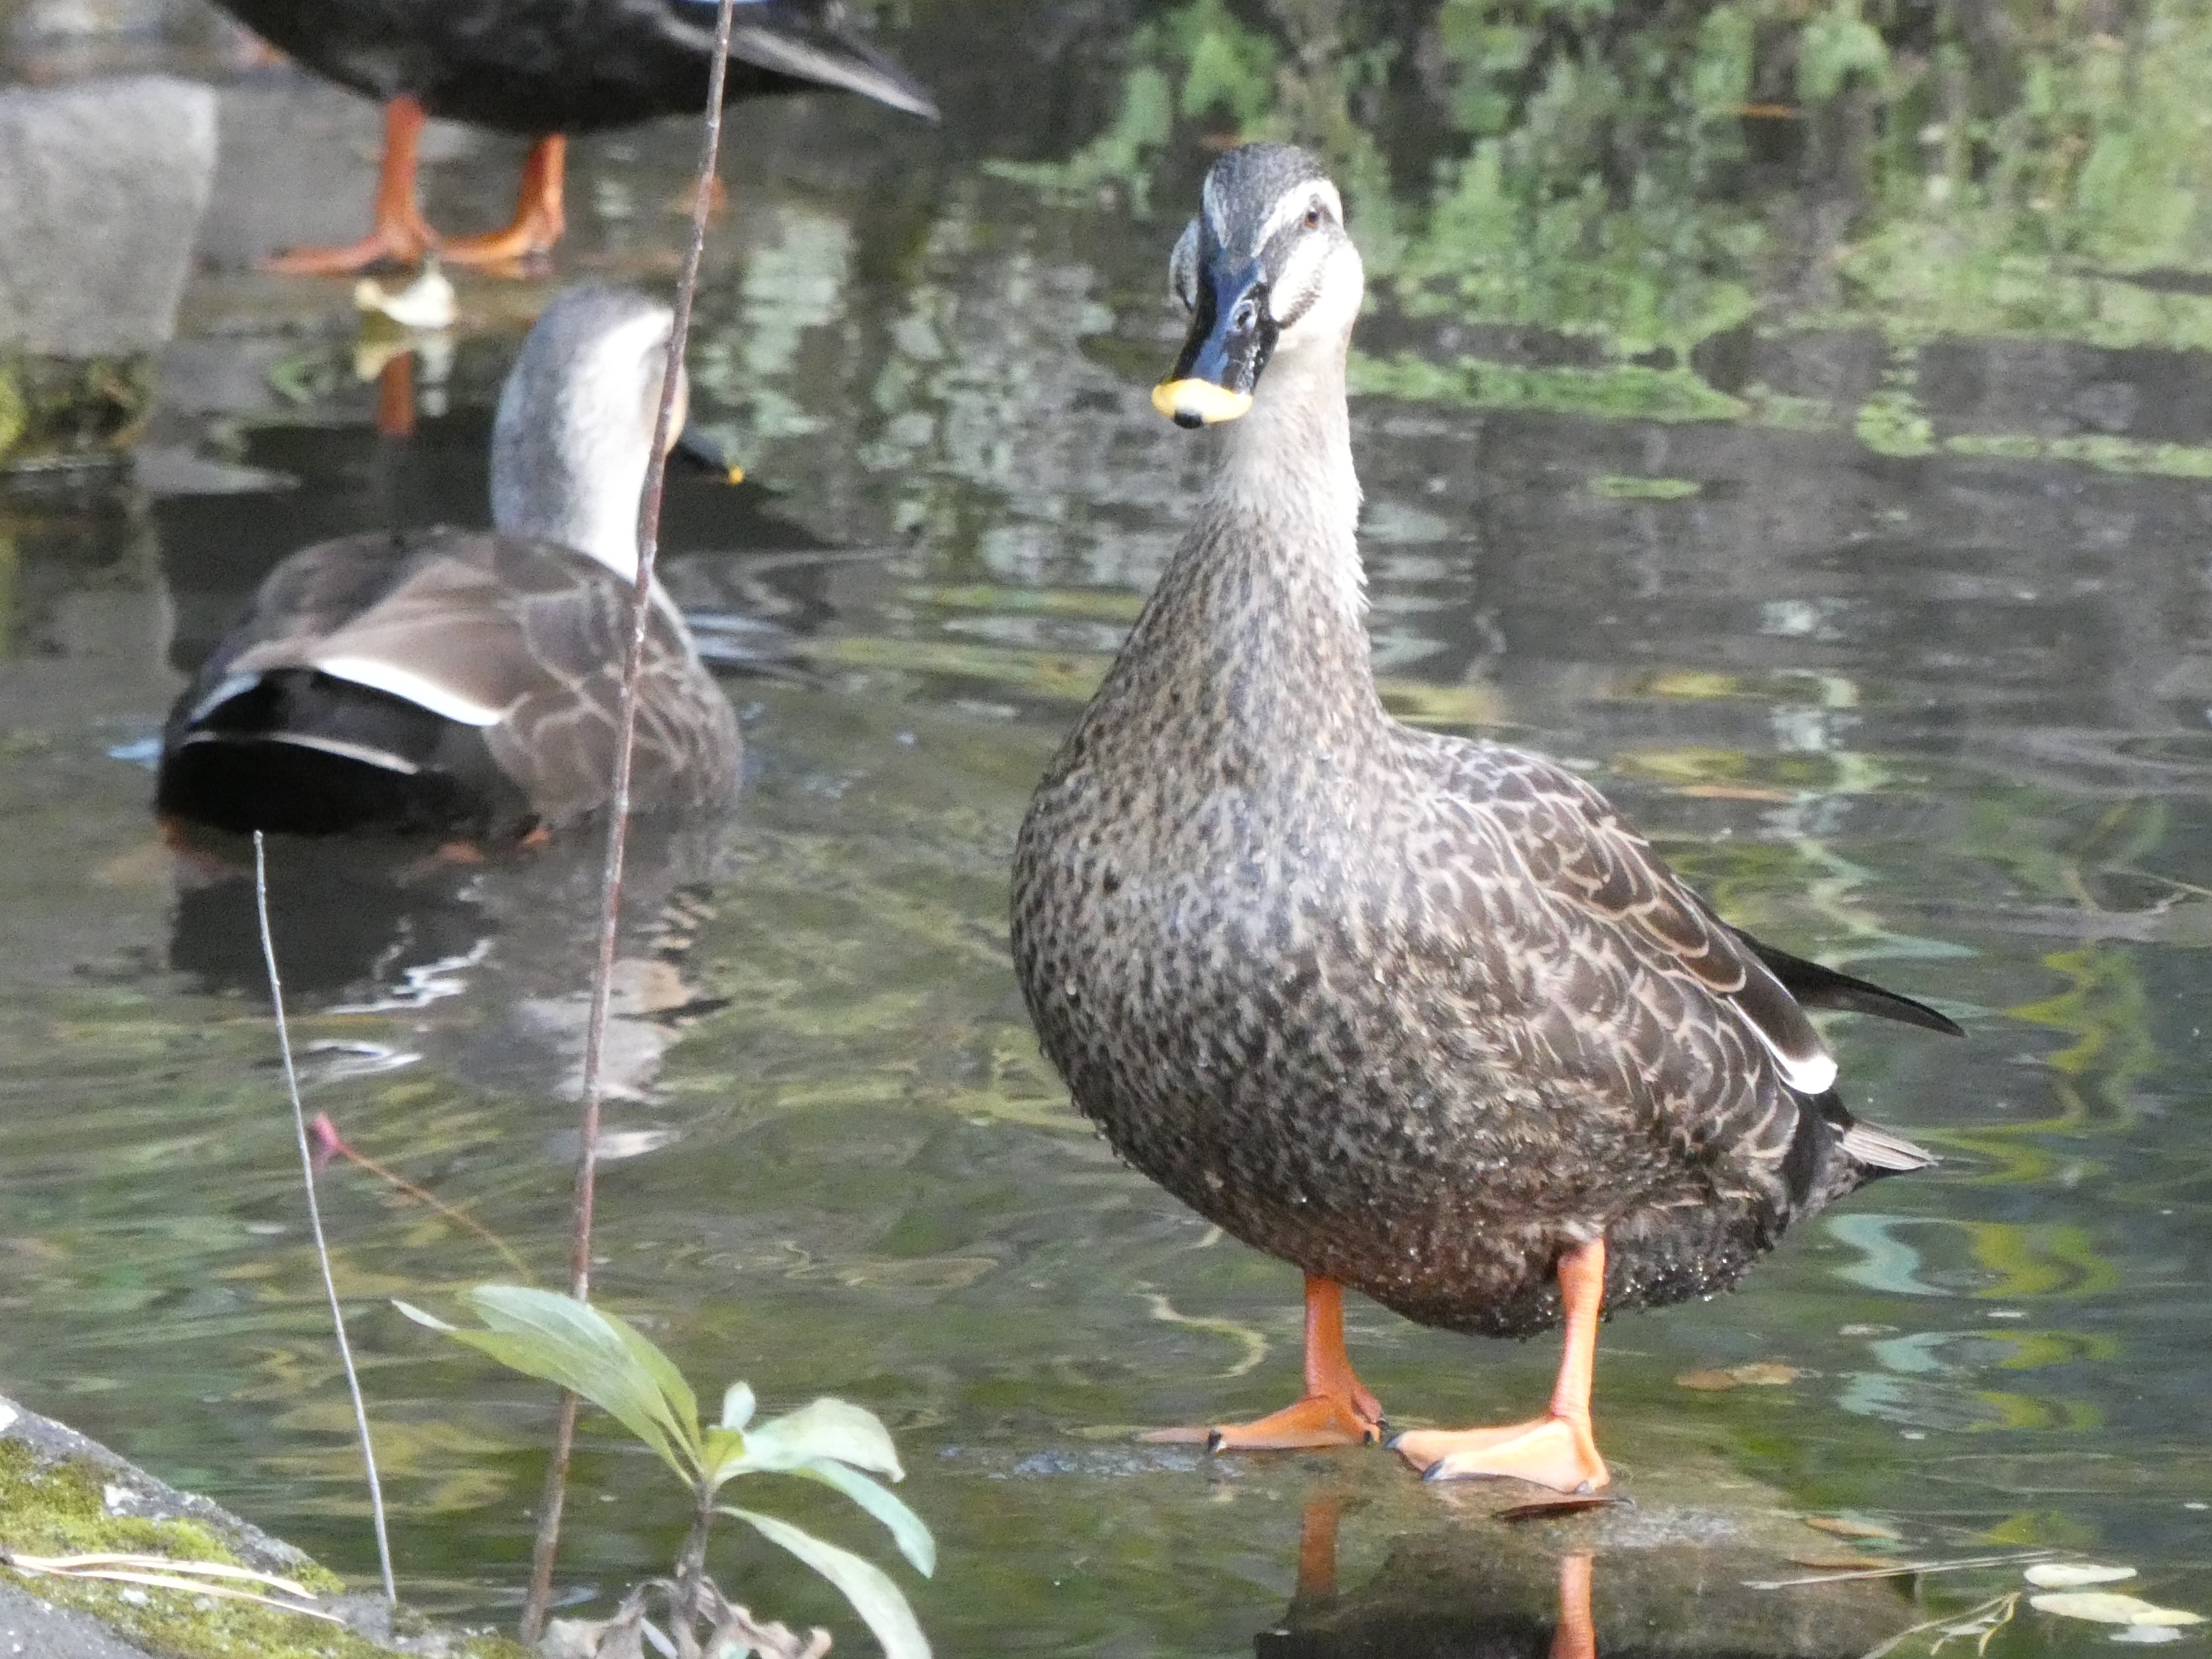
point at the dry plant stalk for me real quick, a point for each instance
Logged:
(595, 1031)
(315, 1213)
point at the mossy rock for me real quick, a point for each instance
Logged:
(61, 412)
(61, 1494)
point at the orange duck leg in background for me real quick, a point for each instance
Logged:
(1557, 1448)
(400, 235)
(539, 220)
(1337, 1409)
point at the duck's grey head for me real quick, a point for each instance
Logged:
(574, 435)
(1266, 267)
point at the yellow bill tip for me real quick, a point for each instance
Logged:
(1198, 403)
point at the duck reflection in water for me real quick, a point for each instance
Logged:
(478, 968)
(1620, 1585)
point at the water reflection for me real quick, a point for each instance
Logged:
(1536, 1590)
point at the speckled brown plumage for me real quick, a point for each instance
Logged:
(1414, 1011)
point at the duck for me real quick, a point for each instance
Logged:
(1416, 1012)
(544, 69)
(466, 684)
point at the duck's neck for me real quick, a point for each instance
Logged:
(578, 487)
(1259, 618)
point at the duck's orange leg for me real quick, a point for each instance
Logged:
(538, 219)
(1337, 1409)
(1557, 1450)
(400, 233)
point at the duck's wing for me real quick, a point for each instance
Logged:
(443, 625)
(523, 640)
(559, 741)
(1643, 982)
(808, 41)
(1543, 825)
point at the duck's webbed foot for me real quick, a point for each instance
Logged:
(1318, 1420)
(1336, 1410)
(1557, 1452)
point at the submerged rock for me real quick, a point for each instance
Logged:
(102, 186)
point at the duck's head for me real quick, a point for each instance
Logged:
(1267, 274)
(574, 435)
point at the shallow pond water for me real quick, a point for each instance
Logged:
(1891, 628)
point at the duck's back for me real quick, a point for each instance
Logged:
(539, 66)
(1415, 1012)
(440, 681)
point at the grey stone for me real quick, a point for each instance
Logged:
(102, 186)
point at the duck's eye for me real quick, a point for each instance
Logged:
(1313, 216)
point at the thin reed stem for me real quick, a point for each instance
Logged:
(315, 1216)
(595, 1031)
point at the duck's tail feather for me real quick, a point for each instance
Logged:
(1884, 1152)
(1818, 986)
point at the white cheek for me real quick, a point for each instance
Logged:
(1293, 290)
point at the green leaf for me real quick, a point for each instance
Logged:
(878, 1600)
(826, 1429)
(683, 1404)
(737, 1405)
(569, 1343)
(907, 1529)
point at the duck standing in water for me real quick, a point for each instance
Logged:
(544, 69)
(1415, 1012)
(467, 682)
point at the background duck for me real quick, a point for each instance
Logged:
(1415, 1012)
(467, 682)
(544, 69)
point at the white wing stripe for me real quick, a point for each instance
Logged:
(410, 686)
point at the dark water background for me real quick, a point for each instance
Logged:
(1810, 438)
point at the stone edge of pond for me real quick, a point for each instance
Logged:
(62, 1492)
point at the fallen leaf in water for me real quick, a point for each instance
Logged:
(1765, 1374)
(1841, 1527)
(1760, 1373)
(2073, 1575)
(1841, 1563)
(2106, 1607)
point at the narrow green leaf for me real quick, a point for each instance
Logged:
(629, 1399)
(826, 1428)
(683, 1404)
(878, 1602)
(737, 1405)
(907, 1529)
(574, 1344)
(423, 1318)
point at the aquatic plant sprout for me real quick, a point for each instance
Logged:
(602, 1358)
